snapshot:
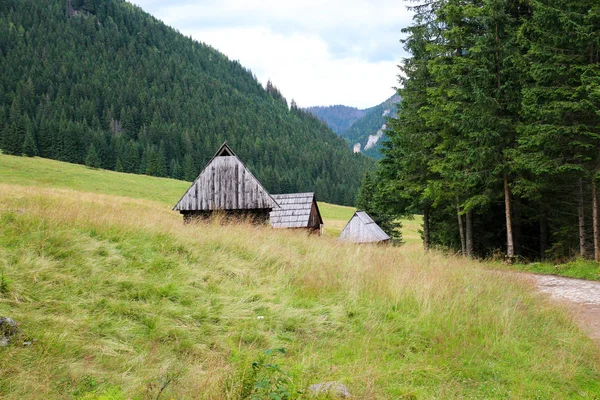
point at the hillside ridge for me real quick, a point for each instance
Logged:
(364, 129)
(109, 85)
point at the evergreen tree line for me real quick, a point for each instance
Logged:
(497, 136)
(101, 82)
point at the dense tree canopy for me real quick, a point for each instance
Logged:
(497, 136)
(105, 83)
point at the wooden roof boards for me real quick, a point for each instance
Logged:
(297, 210)
(362, 229)
(225, 184)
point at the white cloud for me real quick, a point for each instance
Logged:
(317, 52)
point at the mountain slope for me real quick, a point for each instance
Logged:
(338, 117)
(106, 83)
(366, 134)
(117, 299)
(363, 129)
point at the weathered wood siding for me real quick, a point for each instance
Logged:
(225, 184)
(362, 229)
(315, 221)
(255, 216)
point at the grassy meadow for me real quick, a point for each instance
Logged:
(123, 301)
(42, 172)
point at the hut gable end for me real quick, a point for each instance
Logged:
(225, 184)
(362, 229)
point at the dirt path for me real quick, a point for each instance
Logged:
(583, 297)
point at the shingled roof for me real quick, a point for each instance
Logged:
(297, 210)
(362, 229)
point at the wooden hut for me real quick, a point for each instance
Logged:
(226, 185)
(297, 210)
(362, 229)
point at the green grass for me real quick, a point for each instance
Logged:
(50, 173)
(579, 268)
(123, 300)
(335, 218)
(411, 230)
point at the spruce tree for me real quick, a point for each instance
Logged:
(92, 160)
(560, 137)
(189, 170)
(370, 200)
(405, 173)
(29, 146)
(12, 140)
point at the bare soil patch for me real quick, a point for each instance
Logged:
(581, 297)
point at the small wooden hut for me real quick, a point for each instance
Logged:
(226, 185)
(297, 210)
(362, 229)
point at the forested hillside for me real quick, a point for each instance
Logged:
(338, 117)
(497, 140)
(104, 83)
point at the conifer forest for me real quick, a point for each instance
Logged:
(497, 137)
(102, 83)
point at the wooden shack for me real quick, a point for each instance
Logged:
(297, 211)
(362, 229)
(225, 185)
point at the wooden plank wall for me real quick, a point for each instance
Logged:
(226, 184)
(313, 221)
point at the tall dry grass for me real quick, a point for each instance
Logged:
(125, 301)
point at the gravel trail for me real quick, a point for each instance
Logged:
(582, 297)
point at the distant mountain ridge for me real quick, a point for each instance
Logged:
(106, 84)
(368, 133)
(364, 130)
(338, 117)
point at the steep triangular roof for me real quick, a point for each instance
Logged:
(362, 229)
(225, 184)
(295, 211)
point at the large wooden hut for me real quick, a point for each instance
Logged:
(362, 229)
(225, 185)
(297, 210)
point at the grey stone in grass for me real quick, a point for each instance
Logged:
(332, 388)
(8, 329)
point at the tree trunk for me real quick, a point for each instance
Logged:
(469, 221)
(543, 237)
(461, 232)
(595, 222)
(510, 246)
(426, 238)
(581, 210)
(515, 207)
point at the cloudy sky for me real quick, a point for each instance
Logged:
(317, 52)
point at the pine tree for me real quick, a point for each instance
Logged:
(119, 166)
(560, 137)
(405, 173)
(29, 146)
(12, 140)
(176, 170)
(369, 199)
(92, 160)
(189, 170)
